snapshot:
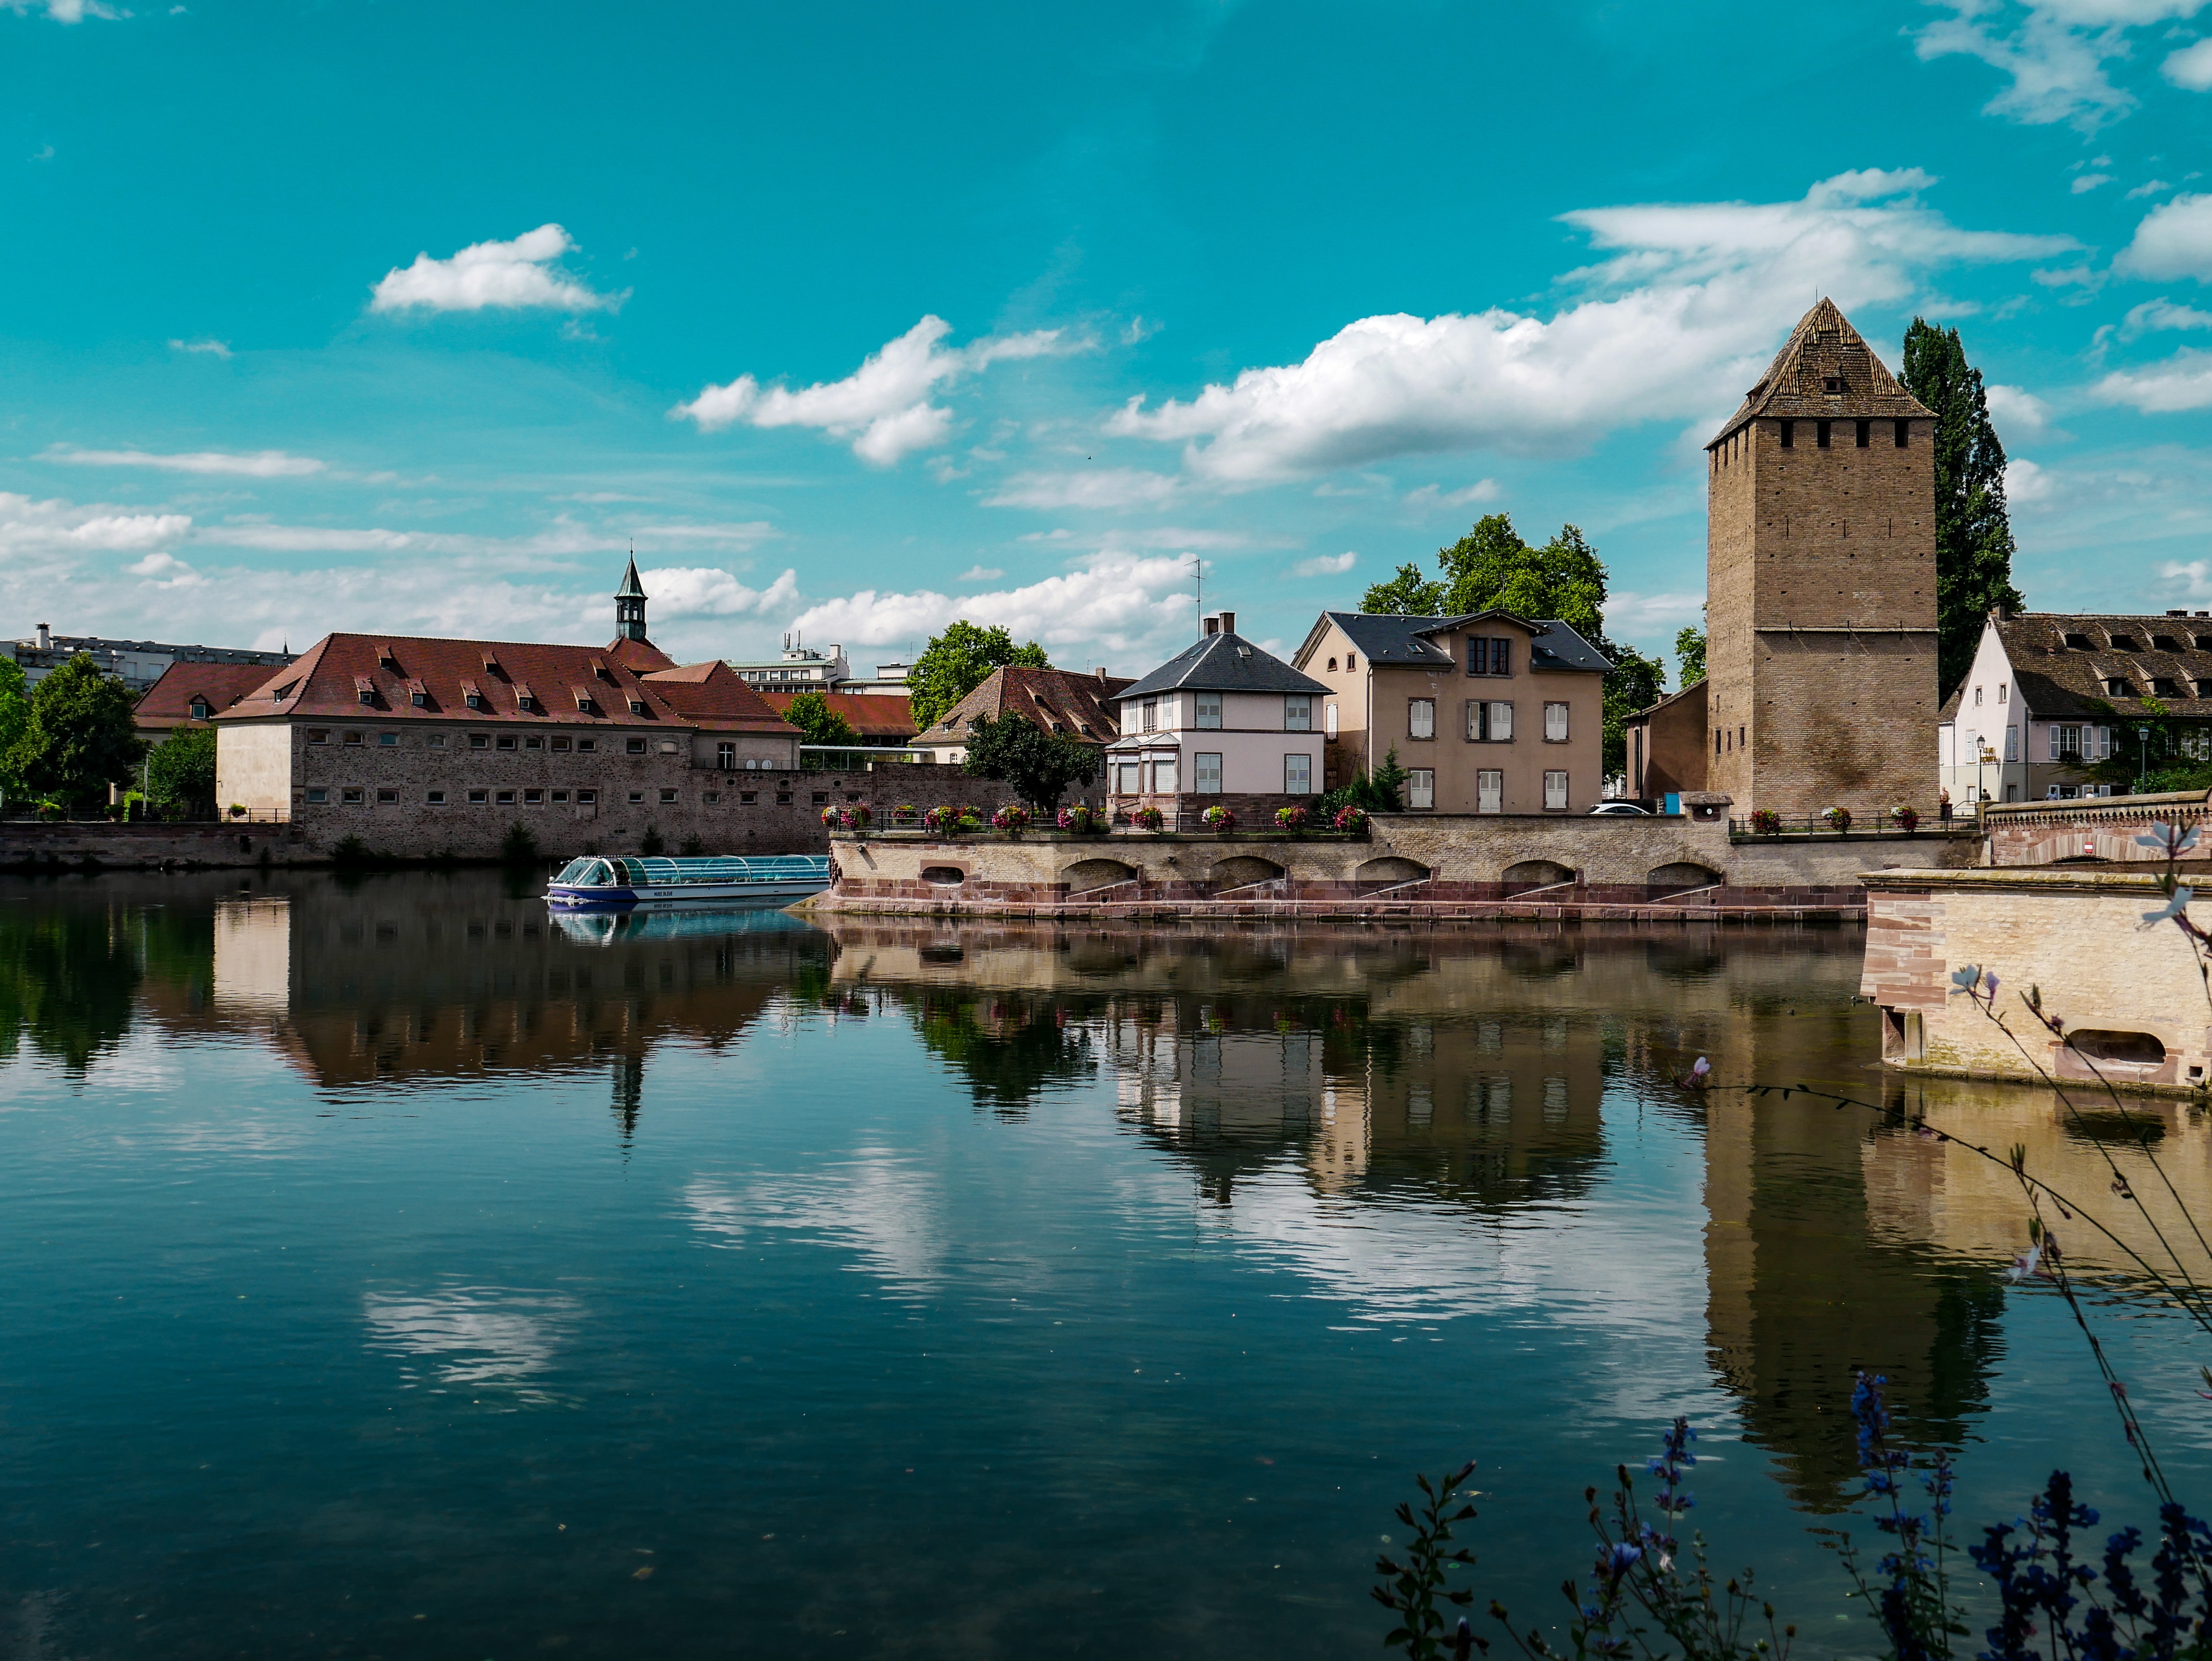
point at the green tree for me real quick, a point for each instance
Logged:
(15, 716)
(1383, 791)
(1040, 766)
(2175, 755)
(1407, 594)
(1491, 569)
(817, 722)
(1636, 683)
(1973, 535)
(81, 737)
(1690, 655)
(182, 769)
(959, 660)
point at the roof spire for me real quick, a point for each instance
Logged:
(629, 603)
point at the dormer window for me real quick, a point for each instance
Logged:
(202, 708)
(2115, 687)
(284, 691)
(384, 658)
(2124, 643)
(364, 689)
(490, 664)
(2163, 643)
(2079, 642)
(637, 706)
(526, 698)
(2162, 687)
(599, 672)
(584, 701)
(418, 695)
(1833, 385)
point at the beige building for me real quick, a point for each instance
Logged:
(1488, 713)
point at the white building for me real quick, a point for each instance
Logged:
(2050, 694)
(1221, 720)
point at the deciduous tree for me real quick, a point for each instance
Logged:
(1690, 655)
(181, 769)
(817, 722)
(15, 716)
(1636, 683)
(1040, 766)
(81, 737)
(957, 662)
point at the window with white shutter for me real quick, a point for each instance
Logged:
(1555, 723)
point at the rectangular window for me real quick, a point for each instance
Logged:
(387, 795)
(319, 735)
(1328, 720)
(1164, 777)
(436, 740)
(1125, 778)
(1489, 656)
(1421, 718)
(1555, 792)
(712, 797)
(436, 798)
(1820, 434)
(1555, 723)
(1490, 791)
(1297, 712)
(1489, 721)
(2012, 744)
(2103, 744)
(479, 740)
(668, 795)
(1209, 710)
(1421, 787)
(1297, 775)
(533, 742)
(748, 795)
(1865, 434)
(634, 747)
(506, 741)
(587, 797)
(560, 744)
(479, 798)
(637, 796)
(506, 797)
(1902, 431)
(353, 737)
(533, 799)
(1148, 716)
(316, 793)
(388, 738)
(1789, 435)
(725, 757)
(560, 795)
(351, 795)
(584, 746)
(1207, 770)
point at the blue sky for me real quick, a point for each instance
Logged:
(857, 318)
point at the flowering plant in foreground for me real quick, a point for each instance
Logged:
(1011, 816)
(1906, 820)
(1839, 818)
(1218, 818)
(1078, 820)
(942, 820)
(1290, 819)
(1351, 820)
(1150, 818)
(1766, 822)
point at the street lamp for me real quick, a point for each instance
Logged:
(2142, 758)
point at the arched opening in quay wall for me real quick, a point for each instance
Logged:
(1536, 873)
(1087, 874)
(1244, 870)
(1681, 874)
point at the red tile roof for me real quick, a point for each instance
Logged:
(885, 719)
(168, 701)
(327, 680)
(1057, 700)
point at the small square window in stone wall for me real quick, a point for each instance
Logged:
(634, 746)
(317, 735)
(637, 795)
(387, 795)
(478, 798)
(506, 797)
(436, 798)
(388, 739)
(350, 795)
(587, 796)
(668, 795)
(586, 746)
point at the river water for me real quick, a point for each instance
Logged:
(390, 1270)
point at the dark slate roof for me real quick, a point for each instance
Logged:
(2059, 682)
(1394, 639)
(1823, 347)
(1224, 663)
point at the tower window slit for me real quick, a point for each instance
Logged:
(1865, 434)
(1903, 432)
(1821, 433)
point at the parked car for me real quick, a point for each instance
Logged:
(1619, 807)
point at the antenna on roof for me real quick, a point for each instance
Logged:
(1200, 565)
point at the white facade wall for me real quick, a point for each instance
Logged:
(1253, 742)
(1992, 714)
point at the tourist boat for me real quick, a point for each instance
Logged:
(606, 925)
(601, 882)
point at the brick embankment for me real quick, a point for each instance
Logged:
(32, 845)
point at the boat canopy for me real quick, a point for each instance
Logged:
(643, 873)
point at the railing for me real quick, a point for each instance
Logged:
(1871, 823)
(858, 758)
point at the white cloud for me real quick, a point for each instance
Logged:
(517, 275)
(2189, 581)
(2183, 381)
(2018, 408)
(210, 348)
(2068, 277)
(1325, 565)
(2148, 187)
(1122, 603)
(166, 569)
(1103, 488)
(2175, 240)
(64, 11)
(562, 537)
(2052, 51)
(2026, 481)
(2162, 313)
(981, 574)
(1435, 495)
(259, 463)
(883, 406)
(2191, 67)
(1695, 299)
(1630, 615)
(681, 591)
(2089, 181)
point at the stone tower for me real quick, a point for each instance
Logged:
(630, 606)
(1820, 586)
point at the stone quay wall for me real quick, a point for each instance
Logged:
(1411, 865)
(2094, 828)
(35, 845)
(2073, 933)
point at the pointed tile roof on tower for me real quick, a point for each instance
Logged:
(631, 588)
(1825, 369)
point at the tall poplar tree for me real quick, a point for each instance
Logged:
(1973, 535)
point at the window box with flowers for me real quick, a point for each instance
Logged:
(1351, 821)
(1080, 820)
(1291, 818)
(906, 813)
(1766, 822)
(1148, 818)
(1219, 818)
(1011, 819)
(1839, 818)
(942, 821)
(1906, 820)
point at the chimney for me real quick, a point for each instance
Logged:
(1229, 622)
(1213, 626)
(1100, 672)
(2000, 611)
(46, 638)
